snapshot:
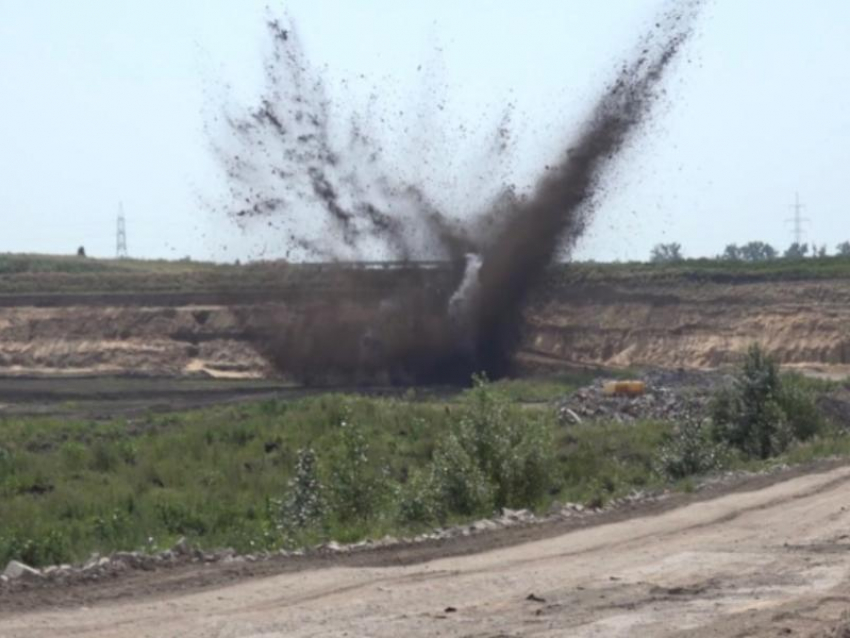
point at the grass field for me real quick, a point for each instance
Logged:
(223, 476)
(45, 274)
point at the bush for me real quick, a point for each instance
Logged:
(305, 505)
(358, 490)
(764, 413)
(798, 402)
(689, 451)
(45, 547)
(419, 501)
(458, 482)
(493, 458)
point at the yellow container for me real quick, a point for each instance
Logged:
(625, 388)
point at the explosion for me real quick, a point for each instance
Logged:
(288, 164)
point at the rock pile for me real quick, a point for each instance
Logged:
(669, 396)
(99, 567)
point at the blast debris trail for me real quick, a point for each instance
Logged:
(290, 166)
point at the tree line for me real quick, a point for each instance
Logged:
(752, 252)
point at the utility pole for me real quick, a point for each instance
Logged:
(121, 235)
(798, 221)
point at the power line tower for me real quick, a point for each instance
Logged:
(798, 221)
(121, 235)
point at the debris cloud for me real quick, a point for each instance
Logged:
(289, 166)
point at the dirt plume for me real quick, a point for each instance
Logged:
(558, 211)
(338, 200)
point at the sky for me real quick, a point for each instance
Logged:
(108, 103)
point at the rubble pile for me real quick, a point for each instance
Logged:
(667, 396)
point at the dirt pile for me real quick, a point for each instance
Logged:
(327, 199)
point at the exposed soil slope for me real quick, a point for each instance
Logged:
(691, 324)
(673, 323)
(142, 339)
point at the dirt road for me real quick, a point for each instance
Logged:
(769, 562)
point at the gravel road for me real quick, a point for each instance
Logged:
(765, 562)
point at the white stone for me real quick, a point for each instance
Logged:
(15, 570)
(181, 547)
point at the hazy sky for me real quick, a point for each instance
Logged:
(105, 101)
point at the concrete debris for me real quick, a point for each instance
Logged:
(19, 571)
(516, 516)
(567, 414)
(182, 552)
(667, 396)
(181, 547)
(332, 546)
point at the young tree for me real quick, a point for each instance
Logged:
(732, 253)
(764, 411)
(797, 251)
(757, 251)
(843, 249)
(305, 502)
(666, 253)
(749, 416)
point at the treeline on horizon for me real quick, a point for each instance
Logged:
(752, 252)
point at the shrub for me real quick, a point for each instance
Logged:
(764, 412)
(689, 451)
(419, 500)
(460, 485)
(514, 451)
(305, 503)
(797, 400)
(358, 490)
(493, 458)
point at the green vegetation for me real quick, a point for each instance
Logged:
(49, 274)
(690, 451)
(276, 474)
(43, 274)
(755, 251)
(701, 270)
(271, 474)
(666, 254)
(540, 390)
(765, 412)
